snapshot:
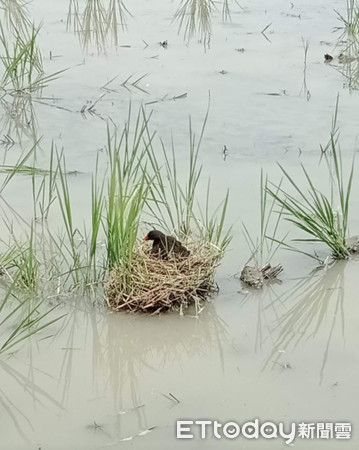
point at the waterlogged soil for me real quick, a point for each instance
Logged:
(286, 353)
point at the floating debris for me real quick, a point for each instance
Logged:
(353, 245)
(328, 58)
(346, 59)
(258, 277)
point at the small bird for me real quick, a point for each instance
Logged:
(164, 245)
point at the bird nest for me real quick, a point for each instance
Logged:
(156, 285)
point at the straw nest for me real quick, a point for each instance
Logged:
(155, 285)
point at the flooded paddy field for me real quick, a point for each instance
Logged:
(288, 352)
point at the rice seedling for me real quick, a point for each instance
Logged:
(23, 66)
(19, 117)
(350, 21)
(94, 270)
(73, 16)
(22, 61)
(64, 200)
(264, 248)
(45, 195)
(127, 190)
(98, 23)
(212, 226)
(18, 166)
(195, 16)
(16, 14)
(27, 263)
(174, 204)
(348, 58)
(313, 211)
(28, 319)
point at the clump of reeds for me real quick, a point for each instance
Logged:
(156, 285)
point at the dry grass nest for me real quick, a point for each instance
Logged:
(155, 285)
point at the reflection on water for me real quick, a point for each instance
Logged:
(318, 301)
(132, 344)
(126, 370)
(195, 17)
(120, 352)
(23, 379)
(98, 22)
(16, 14)
(18, 119)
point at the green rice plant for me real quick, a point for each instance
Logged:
(94, 272)
(117, 13)
(349, 66)
(98, 23)
(266, 246)
(195, 16)
(16, 14)
(18, 117)
(314, 212)
(127, 190)
(73, 16)
(213, 225)
(45, 195)
(22, 61)
(8, 258)
(18, 167)
(27, 263)
(174, 203)
(27, 318)
(19, 261)
(70, 246)
(350, 21)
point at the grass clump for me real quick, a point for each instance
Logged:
(145, 182)
(159, 285)
(313, 211)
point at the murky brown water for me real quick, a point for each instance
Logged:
(288, 353)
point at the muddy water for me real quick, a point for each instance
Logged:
(289, 353)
